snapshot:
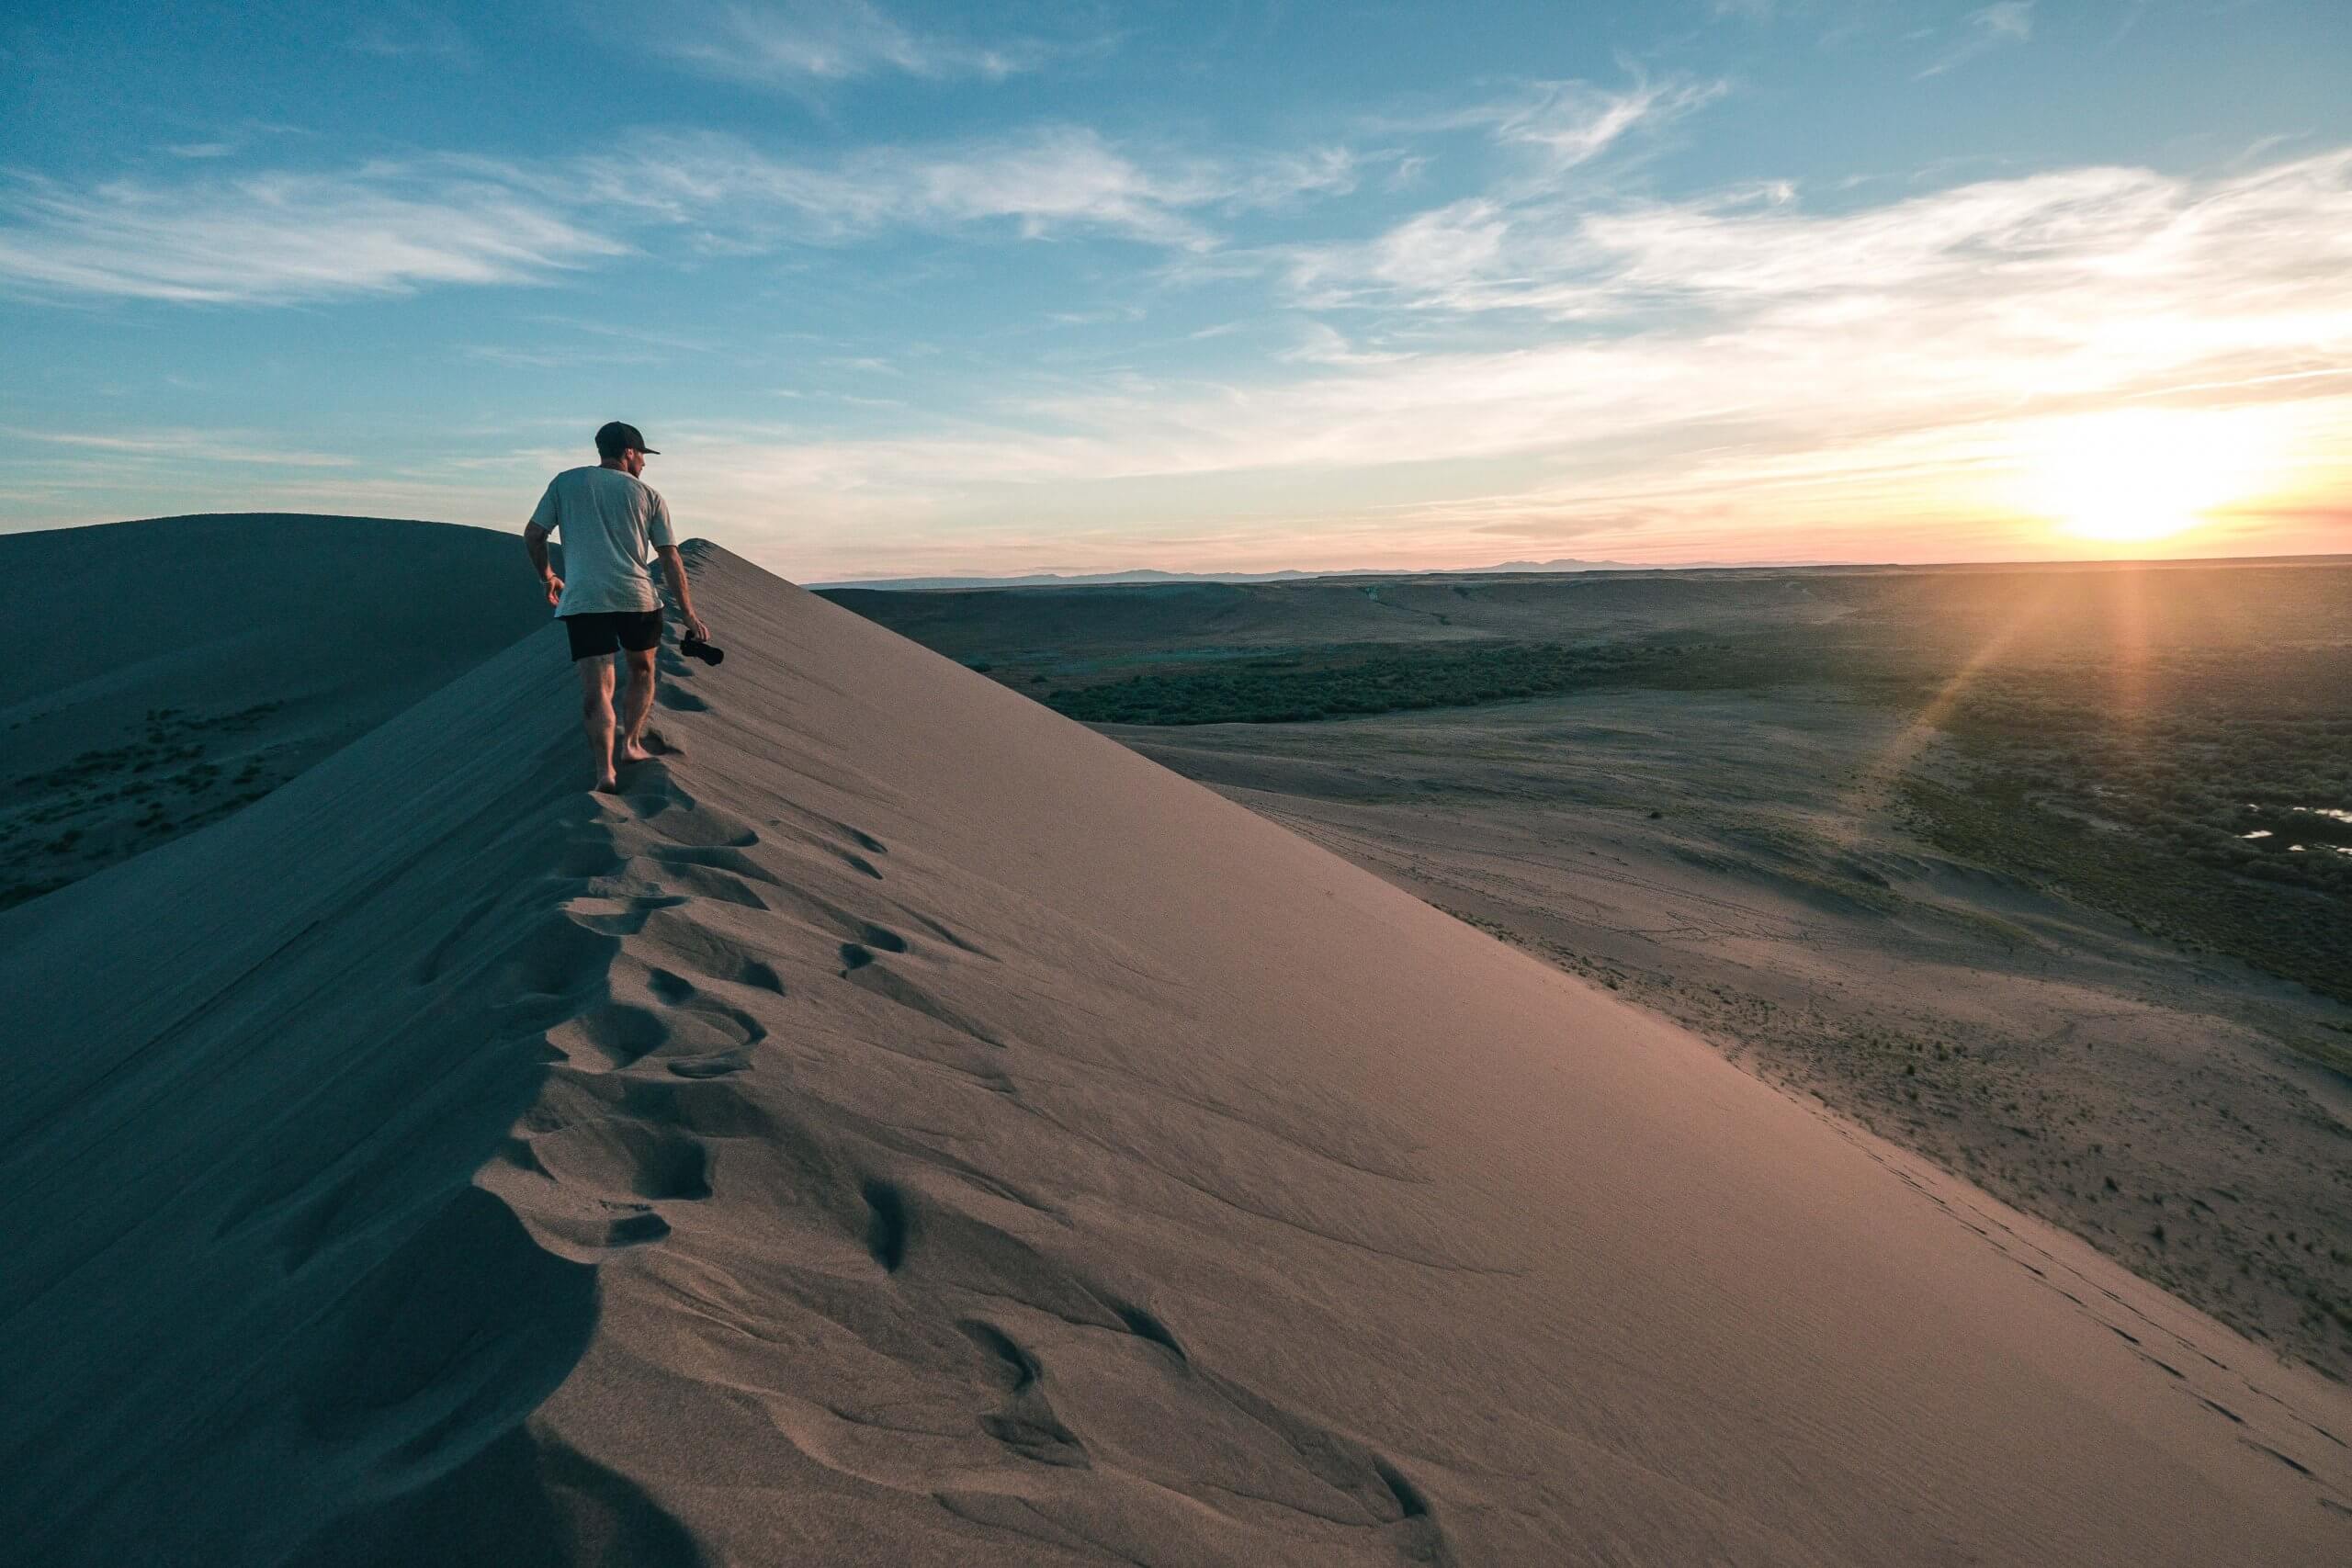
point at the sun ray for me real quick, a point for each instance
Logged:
(1875, 783)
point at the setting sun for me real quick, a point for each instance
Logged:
(2143, 474)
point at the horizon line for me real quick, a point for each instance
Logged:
(981, 580)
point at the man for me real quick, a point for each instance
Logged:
(607, 517)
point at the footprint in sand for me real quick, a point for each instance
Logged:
(860, 969)
(590, 1188)
(705, 951)
(621, 1159)
(708, 882)
(1026, 1424)
(1075, 1362)
(859, 953)
(612, 1036)
(728, 858)
(851, 846)
(620, 916)
(676, 990)
(887, 1225)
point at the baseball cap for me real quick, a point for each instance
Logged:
(617, 438)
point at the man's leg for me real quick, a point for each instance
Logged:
(636, 702)
(597, 716)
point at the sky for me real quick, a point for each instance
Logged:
(909, 290)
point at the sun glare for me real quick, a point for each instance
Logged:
(2143, 474)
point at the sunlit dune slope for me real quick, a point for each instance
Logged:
(905, 1127)
(168, 673)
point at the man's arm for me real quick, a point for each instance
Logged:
(535, 541)
(674, 566)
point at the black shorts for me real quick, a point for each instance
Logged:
(597, 636)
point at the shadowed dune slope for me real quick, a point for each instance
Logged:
(169, 672)
(905, 1127)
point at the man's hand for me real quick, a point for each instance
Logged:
(534, 544)
(674, 566)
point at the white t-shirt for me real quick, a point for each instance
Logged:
(607, 519)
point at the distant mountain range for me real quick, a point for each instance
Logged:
(1103, 579)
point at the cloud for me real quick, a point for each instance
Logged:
(393, 227)
(555, 358)
(1647, 375)
(2097, 241)
(1565, 124)
(227, 143)
(798, 41)
(1571, 123)
(2003, 22)
(1658, 379)
(1738, 362)
(183, 445)
(1323, 345)
(409, 31)
(1426, 256)
(2077, 283)
(1051, 181)
(382, 229)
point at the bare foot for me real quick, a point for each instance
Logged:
(631, 752)
(608, 785)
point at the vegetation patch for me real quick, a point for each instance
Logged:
(109, 803)
(2211, 810)
(1348, 680)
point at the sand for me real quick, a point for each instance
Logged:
(1738, 862)
(170, 672)
(905, 1127)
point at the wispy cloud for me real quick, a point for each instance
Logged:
(1563, 124)
(1735, 362)
(405, 31)
(278, 237)
(555, 358)
(1566, 125)
(1571, 123)
(228, 143)
(1982, 31)
(1046, 182)
(2099, 241)
(793, 42)
(182, 446)
(393, 227)
(1322, 344)
(1643, 374)
(1429, 254)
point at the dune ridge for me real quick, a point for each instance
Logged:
(906, 1127)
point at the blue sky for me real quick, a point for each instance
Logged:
(920, 288)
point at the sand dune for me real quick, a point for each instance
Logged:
(177, 670)
(1728, 859)
(906, 1128)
